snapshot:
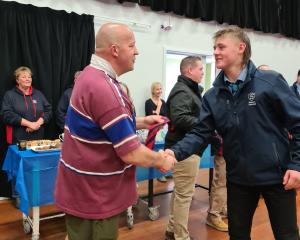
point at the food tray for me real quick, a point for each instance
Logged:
(39, 149)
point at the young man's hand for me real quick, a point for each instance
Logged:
(291, 180)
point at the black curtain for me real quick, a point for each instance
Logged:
(53, 44)
(290, 18)
(269, 16)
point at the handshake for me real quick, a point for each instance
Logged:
(167, 161)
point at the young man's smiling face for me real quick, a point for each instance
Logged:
(228, 51)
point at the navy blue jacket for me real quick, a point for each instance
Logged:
(253, 124)
(16, 105)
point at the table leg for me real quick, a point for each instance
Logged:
(153, 210)
(35, 223)
(150, 193)
(130, 217)
(27, 224)
(210, 178)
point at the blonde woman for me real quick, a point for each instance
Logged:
(156, 106)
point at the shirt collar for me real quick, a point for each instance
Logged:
(241, 77)
(298, 87)
(101, 64)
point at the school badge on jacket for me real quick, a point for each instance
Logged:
(251, 98)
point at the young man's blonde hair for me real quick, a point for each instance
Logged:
(21, 69)
(239, 34)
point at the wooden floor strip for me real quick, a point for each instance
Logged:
(54, 229)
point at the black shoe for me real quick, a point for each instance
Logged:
(169, 236)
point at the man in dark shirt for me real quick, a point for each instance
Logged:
(63, 105)
(183, 108)
(296, 86)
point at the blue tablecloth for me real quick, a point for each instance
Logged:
(34, 174)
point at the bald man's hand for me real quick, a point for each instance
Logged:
(146, 122)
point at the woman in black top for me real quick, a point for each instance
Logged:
(155, 105)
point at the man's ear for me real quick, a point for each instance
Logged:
(242, 47)
(189, 70)
(114, 50)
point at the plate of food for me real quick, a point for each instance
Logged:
(45, 148)
(35, 143)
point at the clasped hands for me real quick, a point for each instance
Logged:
(34, 126)
(168, 160)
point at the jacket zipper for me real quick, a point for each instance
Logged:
(237, 119)
(229, 108)
(228, 104)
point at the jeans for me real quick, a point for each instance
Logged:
(281, 204)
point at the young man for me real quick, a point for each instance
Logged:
(251, 110)
(96, 174)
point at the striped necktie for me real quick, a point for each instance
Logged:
(153, 129)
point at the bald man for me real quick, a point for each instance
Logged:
(264, 67)
(96, 173)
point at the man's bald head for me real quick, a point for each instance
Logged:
(115, 43)
(111, 33)
(264, 67)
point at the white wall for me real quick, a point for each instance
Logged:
(280, 53)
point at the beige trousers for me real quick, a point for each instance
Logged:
(184, 176)
(218, 194)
